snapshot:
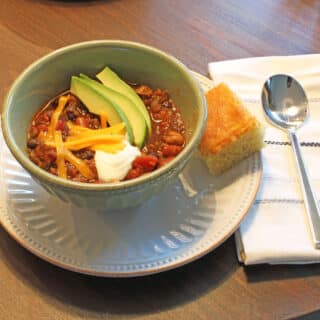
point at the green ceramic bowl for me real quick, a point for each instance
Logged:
(134, 62)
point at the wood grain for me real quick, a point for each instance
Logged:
(197, 32)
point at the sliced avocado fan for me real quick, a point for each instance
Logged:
(98, 103)
(121, 102)
(110, 79)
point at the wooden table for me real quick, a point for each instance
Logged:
(216, 286)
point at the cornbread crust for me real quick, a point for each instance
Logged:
(232, 133)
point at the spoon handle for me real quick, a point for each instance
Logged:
(310, 200)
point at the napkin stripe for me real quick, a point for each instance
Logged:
(258, 101)
(278, 143)
(287, 143)
(269, 201)
(310, 144)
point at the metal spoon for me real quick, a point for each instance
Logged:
(286, 106)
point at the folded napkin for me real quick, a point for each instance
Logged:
(276, 231)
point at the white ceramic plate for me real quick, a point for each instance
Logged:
(186, 221)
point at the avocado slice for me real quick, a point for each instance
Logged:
(110, 79)
(99, 104)
(136, 119)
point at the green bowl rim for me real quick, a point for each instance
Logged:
(44, 176)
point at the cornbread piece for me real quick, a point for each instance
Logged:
(232, 133)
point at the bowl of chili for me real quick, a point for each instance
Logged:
(40, 108)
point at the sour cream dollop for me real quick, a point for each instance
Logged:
(115, 166)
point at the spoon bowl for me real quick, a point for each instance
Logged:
(285, 105)
(285, 102)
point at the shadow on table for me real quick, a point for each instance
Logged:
(310, 316)
(119, 296)
(73, 2)
(260, 273)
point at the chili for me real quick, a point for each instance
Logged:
(166, 141)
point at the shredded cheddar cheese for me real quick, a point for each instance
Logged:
(63, 154)
(110, 148)
(108, 139)
(76, 130)
(61, 166)
(55, 116)
(88, 141)
(103, 120)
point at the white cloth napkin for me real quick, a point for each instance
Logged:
(275, 231)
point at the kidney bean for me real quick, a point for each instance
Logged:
(134, 173)
(170, 150)
(155, 105)
(173, 138)
(146, 162)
